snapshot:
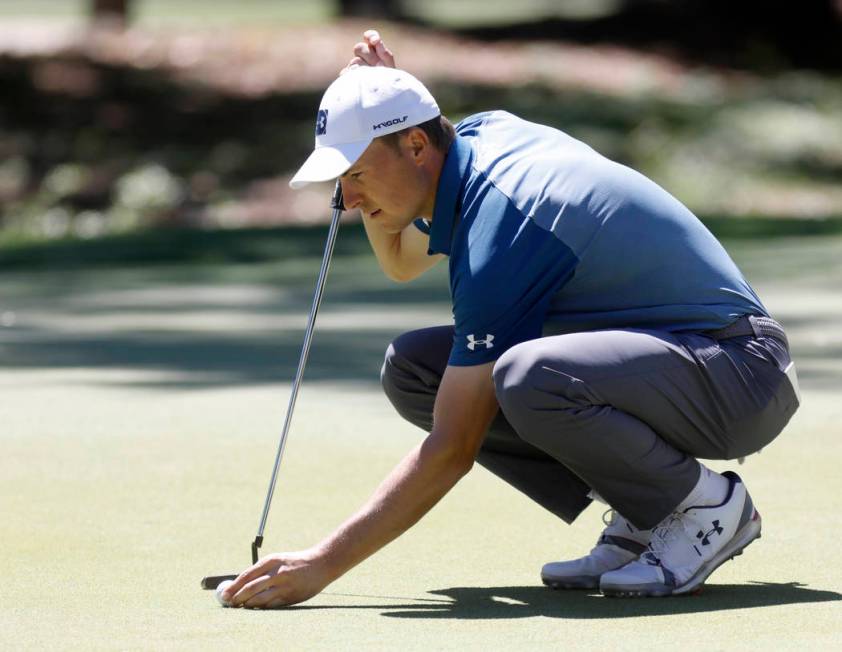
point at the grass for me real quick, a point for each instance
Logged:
(195, 13)
(142, 404)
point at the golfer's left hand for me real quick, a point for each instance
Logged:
(278, 580)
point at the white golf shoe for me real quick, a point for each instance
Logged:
(619, 544)
(688, 546)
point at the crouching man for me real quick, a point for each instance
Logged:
(603, 341)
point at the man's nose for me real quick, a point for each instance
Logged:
(350, 197)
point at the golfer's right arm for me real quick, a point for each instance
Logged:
(402, 256)
(465, 405)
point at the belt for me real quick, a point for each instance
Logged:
(751, 325)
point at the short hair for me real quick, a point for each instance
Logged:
(439, 130)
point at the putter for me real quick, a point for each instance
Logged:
(212, 581)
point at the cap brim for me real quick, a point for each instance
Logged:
(326, 163)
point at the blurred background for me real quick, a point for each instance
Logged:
(121, 117)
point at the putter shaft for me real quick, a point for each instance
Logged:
(338, 207)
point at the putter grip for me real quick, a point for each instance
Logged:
(337, 201)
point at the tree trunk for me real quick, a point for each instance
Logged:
(389, 9)
(115, 12)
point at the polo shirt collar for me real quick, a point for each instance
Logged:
(448, 204)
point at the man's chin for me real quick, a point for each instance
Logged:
(394, 225)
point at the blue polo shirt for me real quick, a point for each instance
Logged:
(543, 232)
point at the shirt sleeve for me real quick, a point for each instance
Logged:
(504, 271)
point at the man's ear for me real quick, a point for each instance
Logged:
(418, 144)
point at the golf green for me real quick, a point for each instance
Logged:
(140, 415)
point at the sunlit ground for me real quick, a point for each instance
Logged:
(140, 413)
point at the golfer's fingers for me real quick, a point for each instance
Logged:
(266, 599)
(278, 600)
(257, 570)
(365, 52)
(250, 590)
(384, 54)
(372, 37)
(235, 586)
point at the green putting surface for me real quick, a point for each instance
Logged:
(140, 416)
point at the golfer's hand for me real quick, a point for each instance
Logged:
(278, 580)
(371, 51)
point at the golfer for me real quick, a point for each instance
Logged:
(602, 341)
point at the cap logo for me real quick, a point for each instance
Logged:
(321, 122)
(389, 123)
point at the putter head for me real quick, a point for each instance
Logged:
(255, 546)
(212, 581)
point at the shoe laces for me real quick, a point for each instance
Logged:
(609, 517)
(662, 535)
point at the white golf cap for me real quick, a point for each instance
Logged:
(364, 103)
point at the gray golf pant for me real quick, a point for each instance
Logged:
(623, 412)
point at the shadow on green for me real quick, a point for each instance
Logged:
(248, 246)
(282, 264)
(208, 360)
(507, 602)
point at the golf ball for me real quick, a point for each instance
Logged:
(219, 589)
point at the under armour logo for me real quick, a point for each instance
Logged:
(321, 122)
(487, 342)
(705, 536)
